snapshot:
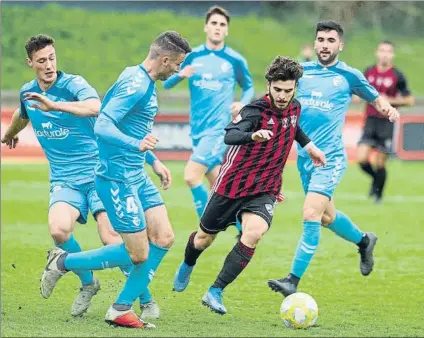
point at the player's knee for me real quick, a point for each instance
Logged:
(59, 231)
(164, 239)
(311, 214)
(192, 179)
(139, 256)
(203, 240)
(251, 237)
(327, 219)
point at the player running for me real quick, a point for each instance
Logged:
(249, 182)
(325, 92)
(130, 197)
(213, 70)
(378, 131)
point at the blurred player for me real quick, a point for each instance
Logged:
(212, 69)
(378, 131)
(71, 195)
(306, 53)
(249, 182)
(325, 92)
(130, 197)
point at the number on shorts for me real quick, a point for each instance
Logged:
(131, 206)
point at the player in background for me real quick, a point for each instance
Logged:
(213, 70)
(133, 203)
(306, 53)
(325, 92)
(378, 131)
(249, 182)
(59, 104)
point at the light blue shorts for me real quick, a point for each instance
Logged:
(126, 203)
(322, 180)
(82, 197)
(209, 150)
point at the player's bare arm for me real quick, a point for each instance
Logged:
(316, 155)
(384, 107)
(148, 143)
(187, 71)
(10, 137)
(87, 108)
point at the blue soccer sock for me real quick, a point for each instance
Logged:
(200, 198)
(108, 256)
(345, 228)
(72, 246)
(306, 248)
(156, 254)
(238, 225)
(141, 276)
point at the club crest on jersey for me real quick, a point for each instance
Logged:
(337, 80)
(225, 67)
(237, 119)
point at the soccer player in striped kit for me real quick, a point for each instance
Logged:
(248, 184)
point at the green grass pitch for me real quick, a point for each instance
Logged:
(389, 302)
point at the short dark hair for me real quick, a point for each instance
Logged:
(37, 42)
(284, 68)
(329, 25)
(171, 42)
(386, 42)
(217, 10)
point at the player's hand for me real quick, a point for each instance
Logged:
(317, 156)
(44, 103)
(235, 108)
(262, 135)
(163, 173)
(392, 113)
(11, 142)
(187, 71)
(148, 143)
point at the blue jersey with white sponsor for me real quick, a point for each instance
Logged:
(325, 94)
(67, 140)
(126, 117)
(212, 87)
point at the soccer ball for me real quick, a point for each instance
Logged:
(299, 311)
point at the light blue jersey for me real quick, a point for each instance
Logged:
(67, 140)
(325, 94)
(212, 88)
(126, 117)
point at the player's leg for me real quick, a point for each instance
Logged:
(193, 176)
(384, 147)
(211, 175)
(66, 207)
(365, 145)
(256, 215)
(342, 226)
(161, 238)
(219, 213)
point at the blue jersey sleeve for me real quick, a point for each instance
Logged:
(150, 157)
(360, 86)
(22, 111)
(244, 79)
(81, 89)
(128, 94)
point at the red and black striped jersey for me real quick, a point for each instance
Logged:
(391, 83)
(250, 167)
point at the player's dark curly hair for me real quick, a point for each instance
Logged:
(284, 68)
(37, 42)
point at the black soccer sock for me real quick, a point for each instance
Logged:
(380, 181)
(367, 168)
(234, 264)
(293, 278)
(191, 253)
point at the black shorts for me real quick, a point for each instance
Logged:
(221, 211)
(378, 133)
